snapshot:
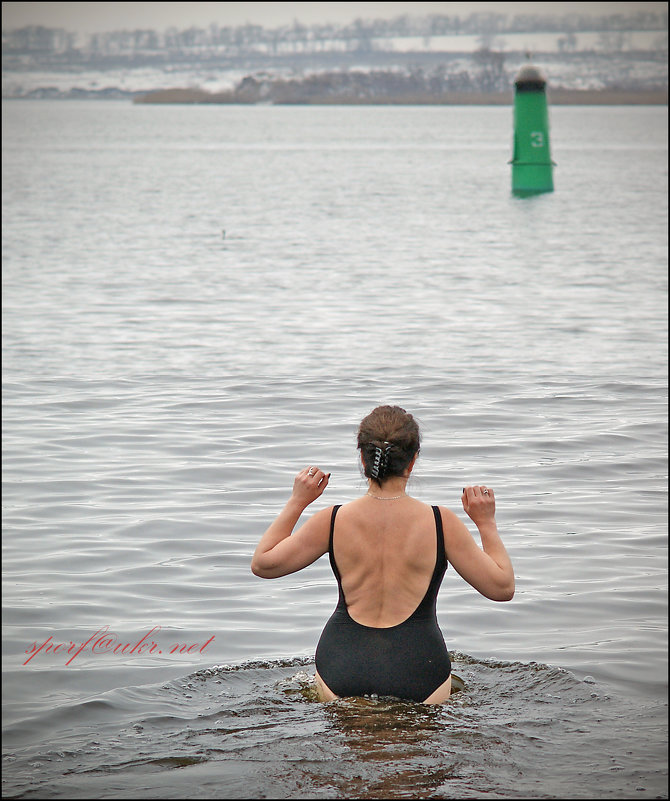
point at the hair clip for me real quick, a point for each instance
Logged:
(377, 465)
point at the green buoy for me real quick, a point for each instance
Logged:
(531, 162)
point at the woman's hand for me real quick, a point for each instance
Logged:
(309, 484)
(479, 504)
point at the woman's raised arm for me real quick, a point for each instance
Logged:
(278, 553)
(488, 569)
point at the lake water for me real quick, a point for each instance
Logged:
(164, 381)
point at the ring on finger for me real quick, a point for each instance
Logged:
(311, 471)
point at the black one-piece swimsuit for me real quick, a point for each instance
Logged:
(409, 660)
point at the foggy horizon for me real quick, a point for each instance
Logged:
(89, 18)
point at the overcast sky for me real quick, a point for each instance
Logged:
(88, 18)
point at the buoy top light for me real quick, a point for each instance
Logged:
(530, 79)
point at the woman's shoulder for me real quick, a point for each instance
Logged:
(449, 516)
(447, 513)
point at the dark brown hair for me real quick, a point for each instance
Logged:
(388, 439)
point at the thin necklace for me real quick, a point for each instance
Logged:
(394, 498)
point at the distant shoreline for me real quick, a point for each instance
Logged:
(556, 97)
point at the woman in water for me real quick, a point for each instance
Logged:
(388, 552)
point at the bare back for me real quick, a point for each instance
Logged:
(385, 552)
